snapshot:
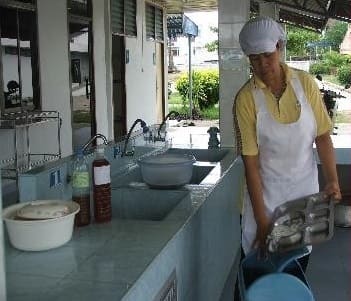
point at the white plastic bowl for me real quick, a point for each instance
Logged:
(39, 235)
(167, 170)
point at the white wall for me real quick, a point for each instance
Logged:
(54, 66)
(140, 74)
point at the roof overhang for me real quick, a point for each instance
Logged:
(309, 14)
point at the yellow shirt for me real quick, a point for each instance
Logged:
(285, 110)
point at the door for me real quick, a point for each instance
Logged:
(118, 90)
(160, 100)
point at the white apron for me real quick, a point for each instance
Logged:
(288, 167)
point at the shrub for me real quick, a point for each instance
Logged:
(320, 68)
(331, 63)
(205, 88)
(334, 59)
(344, 74)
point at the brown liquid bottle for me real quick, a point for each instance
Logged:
(101, 187)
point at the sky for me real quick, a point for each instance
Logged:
(204, 18)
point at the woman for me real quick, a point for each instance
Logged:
(279, 114)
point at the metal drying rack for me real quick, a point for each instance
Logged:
(21, 162)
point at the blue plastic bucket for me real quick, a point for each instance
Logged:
(278, 287)
(256, 277)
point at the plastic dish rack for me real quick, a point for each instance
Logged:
(304, 221)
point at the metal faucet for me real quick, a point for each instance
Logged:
(85, 146)
(145, 129)
(175, 113)
(213, 141)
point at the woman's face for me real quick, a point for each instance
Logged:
(266, 65)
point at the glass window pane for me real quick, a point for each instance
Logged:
(159, 24)
(19, 58)
(8, 27)
(150, 21)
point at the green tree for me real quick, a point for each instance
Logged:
(335, 34)
(213, 45)
(297, 38)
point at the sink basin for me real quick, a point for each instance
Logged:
(199, 174)
(202, 155)
(144, 203)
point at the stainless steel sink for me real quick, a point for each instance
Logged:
(202, 155)
(144, 203)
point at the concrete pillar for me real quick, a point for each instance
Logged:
(103, 68)
(269, 9)
(233, 64)
(54, 67)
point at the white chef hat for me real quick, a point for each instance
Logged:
(261, 35)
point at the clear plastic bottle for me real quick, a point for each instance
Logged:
(101, 187)
(81, 189)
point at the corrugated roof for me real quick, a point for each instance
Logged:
(179, 24)
(309, 14)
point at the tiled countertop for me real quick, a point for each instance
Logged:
(102, 261)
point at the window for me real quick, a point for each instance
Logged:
(154, 23)
(123, 17)
(79, 8)
(175, 51)
(19, 68)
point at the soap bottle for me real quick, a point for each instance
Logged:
(81, 189)
(101, 187)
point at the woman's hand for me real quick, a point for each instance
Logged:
(263, 227)
(326, 155)
(333, 189)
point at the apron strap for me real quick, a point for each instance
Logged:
(298, 89)
(259, 98)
